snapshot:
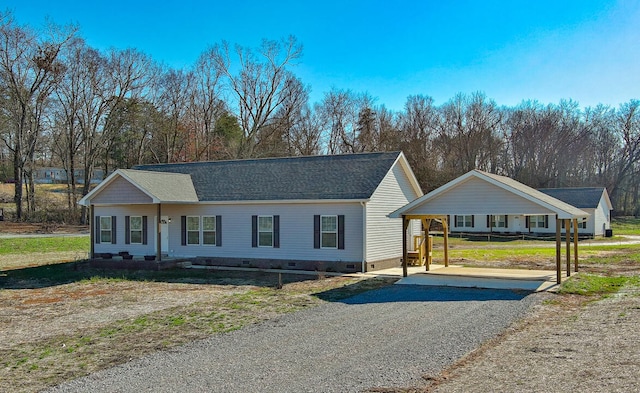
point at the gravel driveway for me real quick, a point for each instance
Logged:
(392, 337)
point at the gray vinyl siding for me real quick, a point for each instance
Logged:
(120, 212)
(296, 231)
(488, 199)
(384, 234)
(121, 191)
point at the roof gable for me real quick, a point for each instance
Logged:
(133, 186)
(337, 177)
(467, 197)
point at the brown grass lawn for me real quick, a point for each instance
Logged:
(62, 321)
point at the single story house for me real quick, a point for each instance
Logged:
(593, 200)
(315, 212)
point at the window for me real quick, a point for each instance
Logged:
(193, 230)
(499, 221)
(581, 224)
(209, 230)
(135, 229)
(464, 221)
(105, 229)
(538, 221)
(329, 231)
(265, 231)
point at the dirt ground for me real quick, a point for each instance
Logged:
(31, 228)
(567, 344)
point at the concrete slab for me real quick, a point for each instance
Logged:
(466, 277)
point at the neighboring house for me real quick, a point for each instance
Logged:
(316, 212)
(51, 175)
(483, 202)
(593, 200)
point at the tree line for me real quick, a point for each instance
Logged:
(64, 103)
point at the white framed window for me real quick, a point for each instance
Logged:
(135, 229)
(537, 221)
(105, 229)
(464, 221)
(329, 231)
(582, 224)
(193, 230)
(265, 231)
(209, 230)
(499, 221)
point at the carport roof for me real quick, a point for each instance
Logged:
(518, 190)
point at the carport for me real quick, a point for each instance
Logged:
(478, 192)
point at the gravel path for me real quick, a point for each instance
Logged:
(392, 337)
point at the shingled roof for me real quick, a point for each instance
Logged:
(580, 197)
(338, 177)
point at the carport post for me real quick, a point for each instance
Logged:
(567, 224)
(405, 226)
(575, 243)
(558, 248)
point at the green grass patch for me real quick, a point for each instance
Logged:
(626, 226)
(592, 284)
(23, 245)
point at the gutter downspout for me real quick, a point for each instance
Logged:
(364, 235)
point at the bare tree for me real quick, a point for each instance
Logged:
(29, 70)
(260, 86)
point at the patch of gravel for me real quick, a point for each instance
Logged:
(393, 337)
(592, 348)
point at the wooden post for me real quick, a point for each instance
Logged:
(405, 226)
(92, 231)
(558, 248)
(426, 224)
(567, 233)
(159, 234)
(445, 228)
(575, 243)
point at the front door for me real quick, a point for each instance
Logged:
(164, 234)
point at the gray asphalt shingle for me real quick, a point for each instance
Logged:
(580, 197)
(347, 176)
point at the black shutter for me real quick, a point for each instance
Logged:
(341, 232)
(526, 221)
(276, 231)
(145, 230)
(488, 221)
(218, 231)
(113, 230)
(97, 237)
(546, 221)
(506, 221)
(127, 230)
(455, 221)
(183, 230)
(316, 231)
(254, 231)
(473, 221)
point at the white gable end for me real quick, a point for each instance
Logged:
(486, 199)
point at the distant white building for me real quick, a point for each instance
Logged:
(52, 175)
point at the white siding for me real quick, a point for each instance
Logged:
(601, 217)
(384, 234)
(120, 212)
(121, 191)
(296, 231)
(477, 196)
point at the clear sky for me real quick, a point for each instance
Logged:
(546, 50)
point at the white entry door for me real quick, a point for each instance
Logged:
(164, 234)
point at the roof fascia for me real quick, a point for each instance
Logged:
(402, 159)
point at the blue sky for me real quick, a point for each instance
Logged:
(545, 50)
